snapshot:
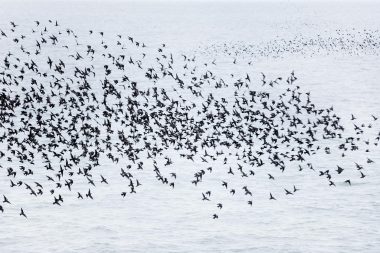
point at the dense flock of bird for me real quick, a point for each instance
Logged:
(70, 106)
(350, 42)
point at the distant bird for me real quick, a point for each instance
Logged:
(56, 202)
(204, 197)
(89, 195)
(339, 170)
(6, 200)
(22, 213)
(103, 180)
(359, 167)
(288, 192)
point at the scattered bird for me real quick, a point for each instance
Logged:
(6, 200)
(288, 192)
(22, 213)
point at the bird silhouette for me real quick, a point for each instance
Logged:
(22, 213)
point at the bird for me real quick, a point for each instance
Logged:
(6, 200)
(103, 180)
(90, 181)
(288, 192)
(204, 197)
(22, 213)
(339, 170)
(56, 202)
